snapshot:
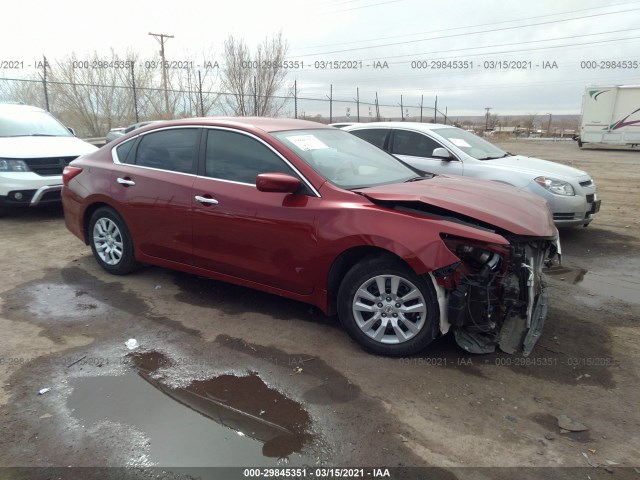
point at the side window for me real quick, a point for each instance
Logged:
(123, 152)
(240, 158)
(173, 150)
(413, 143)
(375, 136)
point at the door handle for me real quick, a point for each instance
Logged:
(125, 181)
(206, 201)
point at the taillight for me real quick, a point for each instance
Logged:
(68, 173)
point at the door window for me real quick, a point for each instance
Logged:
(375, 136)
(240, 158)
(173, 150)
(413, 144)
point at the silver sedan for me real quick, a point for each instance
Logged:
(443, 149)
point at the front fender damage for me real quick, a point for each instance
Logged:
(495, 296)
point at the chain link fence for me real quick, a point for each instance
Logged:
(93, 109)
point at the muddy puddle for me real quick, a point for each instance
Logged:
(623, 284)
(222, 421)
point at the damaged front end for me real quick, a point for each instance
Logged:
(495, 296)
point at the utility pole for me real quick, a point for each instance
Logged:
(486, 119)
(421, 102)
(549, 126)
(161, 38)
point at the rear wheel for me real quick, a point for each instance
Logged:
(387, 308)
(111, 242)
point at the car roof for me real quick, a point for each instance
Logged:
(20, 106)
(406, 125)
(265, 124)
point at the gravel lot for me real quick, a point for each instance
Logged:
(64, 324)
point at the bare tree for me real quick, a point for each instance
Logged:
(190, 90)
(94, 94)
(530, 122)
(252, 80)
(29, 91)
(493, 121)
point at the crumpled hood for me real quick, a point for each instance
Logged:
(537, 167)
(39, 147)
(502, 206)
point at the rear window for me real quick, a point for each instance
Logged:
(123, 152)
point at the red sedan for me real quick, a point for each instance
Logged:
(318, 215)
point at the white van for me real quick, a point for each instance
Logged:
(34, 149)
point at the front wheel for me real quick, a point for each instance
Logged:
(111, 242)
(387, 308)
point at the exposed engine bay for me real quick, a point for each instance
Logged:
(496, 295)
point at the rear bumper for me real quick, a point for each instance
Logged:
(73, 215)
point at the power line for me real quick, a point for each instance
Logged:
(469, 33)
(465, 56)
(463, 27)
(513, 44)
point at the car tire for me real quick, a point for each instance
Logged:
(111, 242)
(400, 321)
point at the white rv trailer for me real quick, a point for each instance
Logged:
(610, 115)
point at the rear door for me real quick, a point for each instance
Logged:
(264, 237)
(375, 136)
(153, 183)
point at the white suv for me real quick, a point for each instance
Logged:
(34, 149)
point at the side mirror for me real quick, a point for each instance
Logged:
(73, 132)
(442, 153)
(277, 182)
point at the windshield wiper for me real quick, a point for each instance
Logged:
(495, 158)
(31, 135)
(417, 179)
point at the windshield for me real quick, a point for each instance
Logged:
(471, 144)
(344, 159)
(24, 123)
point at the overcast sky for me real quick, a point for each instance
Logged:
(570, 37)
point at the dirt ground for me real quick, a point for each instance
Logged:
(64, 325)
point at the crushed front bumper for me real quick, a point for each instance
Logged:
(496, 295)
